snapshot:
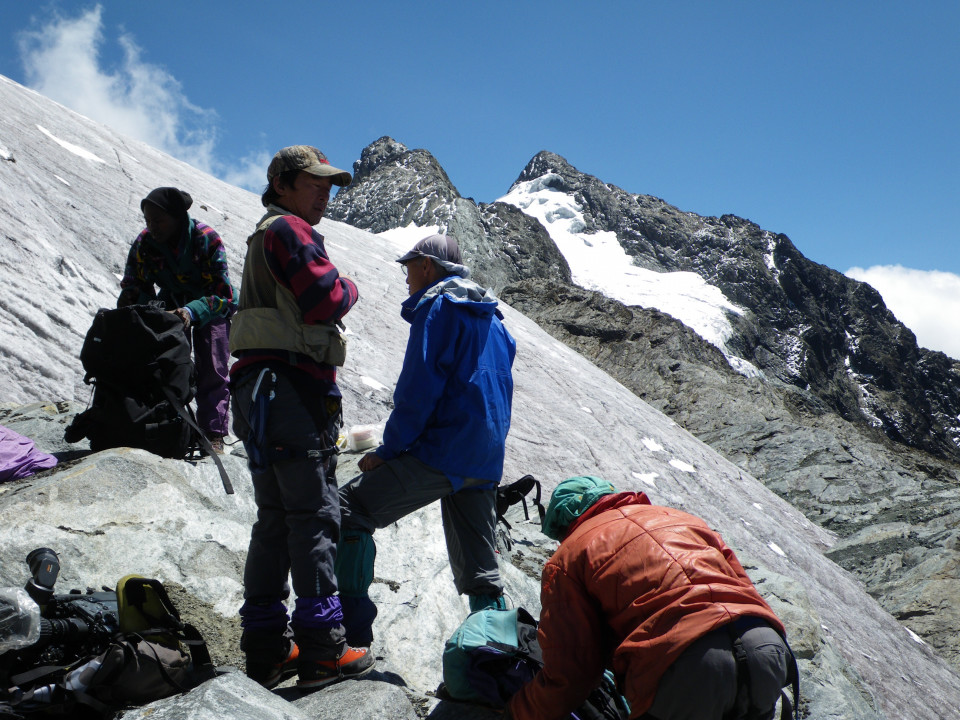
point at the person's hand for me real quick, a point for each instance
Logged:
(128, 296)
(370, 461)
(184, 316)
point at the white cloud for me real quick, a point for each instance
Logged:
(926, 301)
(62, 61)
(250, 172)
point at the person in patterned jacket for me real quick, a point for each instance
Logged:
(185, 260)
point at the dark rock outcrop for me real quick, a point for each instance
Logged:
(396, 187)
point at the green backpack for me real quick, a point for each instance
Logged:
(494, 653)
(490, 656)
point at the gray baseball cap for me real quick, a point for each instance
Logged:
(442, 249)
(309, 159)
(436, 247)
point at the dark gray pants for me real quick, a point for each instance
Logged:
(400, 486)
(298, 507)
(702, 683)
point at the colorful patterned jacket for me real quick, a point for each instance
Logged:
(193, 276)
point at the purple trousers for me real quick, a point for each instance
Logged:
(211, 351)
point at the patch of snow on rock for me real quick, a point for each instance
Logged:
(651, 444)
(648, 479)
(683, 466)
(75, 149)
(371, 383)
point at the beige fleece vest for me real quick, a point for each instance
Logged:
(269, 317)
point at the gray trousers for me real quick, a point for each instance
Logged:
(400, 486)
(702, 683)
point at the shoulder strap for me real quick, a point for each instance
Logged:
(201, 438)
(31, 676)
(199, 651)
(793, 679)
(144, 609)
(516, 492)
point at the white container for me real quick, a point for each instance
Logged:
(364, 437)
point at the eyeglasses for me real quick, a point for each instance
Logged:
(405, 266)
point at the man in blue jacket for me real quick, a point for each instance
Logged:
(444, 439)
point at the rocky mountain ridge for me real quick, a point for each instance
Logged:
(395, 187)
(807, 325)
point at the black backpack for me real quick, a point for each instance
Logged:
(508, 495)
(140, 362)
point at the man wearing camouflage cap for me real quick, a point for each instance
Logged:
(286, 408)
(444, 439)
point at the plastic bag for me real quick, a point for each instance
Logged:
(19, 619)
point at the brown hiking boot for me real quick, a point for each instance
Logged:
(270, 673)
(216, 442)
(353, 663)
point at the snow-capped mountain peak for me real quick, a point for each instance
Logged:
(598, 262)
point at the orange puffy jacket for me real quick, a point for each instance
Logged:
(631, 586)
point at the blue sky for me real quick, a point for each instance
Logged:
(834, 123)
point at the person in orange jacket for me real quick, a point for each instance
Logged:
(655, 595)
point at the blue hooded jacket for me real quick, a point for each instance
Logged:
(453, 399)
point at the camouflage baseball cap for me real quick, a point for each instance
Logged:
(309, 159)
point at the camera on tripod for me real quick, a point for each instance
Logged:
(71, 626)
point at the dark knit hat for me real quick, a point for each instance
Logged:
(171, 200)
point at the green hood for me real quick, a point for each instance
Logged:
(570, 500)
